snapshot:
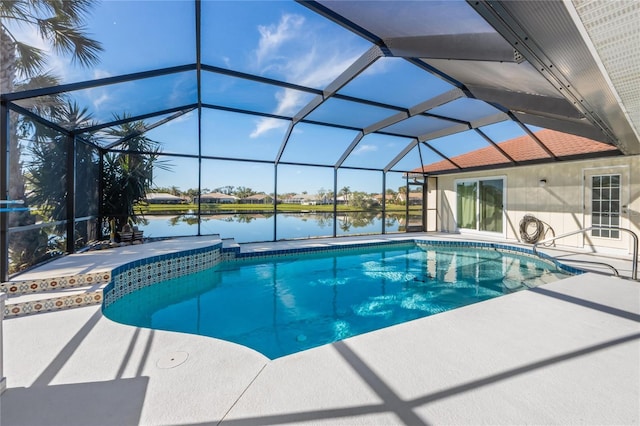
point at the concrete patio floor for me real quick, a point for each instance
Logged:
(567, 352)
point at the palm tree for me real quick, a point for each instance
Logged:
(243, 192)
(345, 191)
(47, 175)
(61, 24)
(402, 195)
(128, 174)
(47, 168)
(391, 196)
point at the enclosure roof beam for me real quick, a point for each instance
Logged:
(425, 143)
(133, 118)
(41, 120)
(147, 128)
(54, 90)
(259, 79)
(349, 149)
(401, 155)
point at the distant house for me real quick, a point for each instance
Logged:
(216, 198)
(311, 200)
(163, 198)
(257, 199)
(293, 199)
(415, 198)
(306, 200)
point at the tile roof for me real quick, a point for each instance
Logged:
(523, 148)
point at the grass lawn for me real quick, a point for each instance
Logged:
(186, 208)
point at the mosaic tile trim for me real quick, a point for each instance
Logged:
(53, 304)
(145, 272)
(15, 288)
(318, 250)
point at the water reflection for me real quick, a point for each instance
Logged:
(247, 227)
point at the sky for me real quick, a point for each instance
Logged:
(281, 40)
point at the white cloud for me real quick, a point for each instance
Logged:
(364, 148)
(290, 50)
(98, 74)
(266, 124)
(289, 101)
(101, 99)
(272, 37)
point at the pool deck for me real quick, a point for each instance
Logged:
(567, 352)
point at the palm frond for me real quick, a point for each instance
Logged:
(29, 59)
(69, 38)
(14, 10)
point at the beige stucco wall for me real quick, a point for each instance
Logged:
(559, 203)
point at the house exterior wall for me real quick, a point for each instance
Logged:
(560, 204)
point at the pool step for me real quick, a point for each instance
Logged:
(55, 300)
(25, 297)
(51, 289)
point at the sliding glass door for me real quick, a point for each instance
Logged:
(467, 202)
(480, 205)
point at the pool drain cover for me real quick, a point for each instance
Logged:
(172, 360)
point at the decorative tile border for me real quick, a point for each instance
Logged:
(16, 288)
(53, 304)
(145, 272)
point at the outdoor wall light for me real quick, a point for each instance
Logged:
(542, 183)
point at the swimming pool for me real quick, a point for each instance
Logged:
(279, 305)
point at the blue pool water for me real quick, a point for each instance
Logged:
(282, 305)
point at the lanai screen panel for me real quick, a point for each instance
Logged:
(466, 109)
(394, 81)
(411, 161)
(467, 149)
(412, 19)
(177, 136)
(418, 125)
(351, 114)
(135, 36)
(518, 143)
(242, 136)
(316, 144)
(374, 151)
(132, 98)
(234, 92)
(280, 40)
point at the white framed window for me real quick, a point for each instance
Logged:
(605, 205)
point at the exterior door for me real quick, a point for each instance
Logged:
(606, 197)
(480, 205)
(415, 203)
